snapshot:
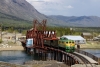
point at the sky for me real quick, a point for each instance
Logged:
(67, 7)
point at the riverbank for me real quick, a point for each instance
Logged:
(90, 45)
(18, 45)
(5, 64)
(43, 64)
(11, 48)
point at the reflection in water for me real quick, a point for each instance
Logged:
(17, 57)
(95, 52)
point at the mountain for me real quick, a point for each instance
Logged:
(19, 8)
(22, 9)
(82, 21)
(21, 13)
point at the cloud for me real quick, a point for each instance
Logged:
(67, 7)
(34, 0)
(49, 5)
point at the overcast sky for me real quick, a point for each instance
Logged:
(67, 7)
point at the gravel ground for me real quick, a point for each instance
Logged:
(42, 64)
(45, 64)
(35, 64)
(5, 64)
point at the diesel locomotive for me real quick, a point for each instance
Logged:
(68, 45)
(62, 43)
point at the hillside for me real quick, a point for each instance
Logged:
(19, 8)
(9, 20)
(22, 9)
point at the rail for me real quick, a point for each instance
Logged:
(89, 55)
(85, 61)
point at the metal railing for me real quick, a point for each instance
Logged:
(89, 55)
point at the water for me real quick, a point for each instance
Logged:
(19, 57)
(95, 52)
(16, 57)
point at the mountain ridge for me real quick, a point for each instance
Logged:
(18, 8)
(82, 21)
(24, 11)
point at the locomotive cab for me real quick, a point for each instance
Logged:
(68, 45)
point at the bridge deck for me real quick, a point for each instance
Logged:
(88, 58)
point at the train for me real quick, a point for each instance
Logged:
(63, 43)
(67, 44)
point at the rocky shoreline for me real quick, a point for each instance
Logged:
(6, 64)
(34, 64)
(43, 64)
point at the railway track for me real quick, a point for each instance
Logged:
(82, 60)
(86, 62)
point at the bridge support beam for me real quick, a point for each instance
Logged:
(55, 55)
(52, 55)
(64, 58)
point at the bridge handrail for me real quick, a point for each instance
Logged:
(89, 55)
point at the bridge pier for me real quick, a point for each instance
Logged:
(55, 55)
(43, 55)
(64, 57)
(68, 60)
(60, 56)
(71, 61)
(28, 50)
(52, 55)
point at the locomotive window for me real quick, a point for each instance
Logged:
(69, 42)
(66, 42)
(72, 42)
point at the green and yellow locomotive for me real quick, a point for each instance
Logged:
(68, 45)
(63, 43)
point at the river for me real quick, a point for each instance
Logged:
(19, 57)
(95, 52)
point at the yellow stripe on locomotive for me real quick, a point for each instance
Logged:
(69, 45)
